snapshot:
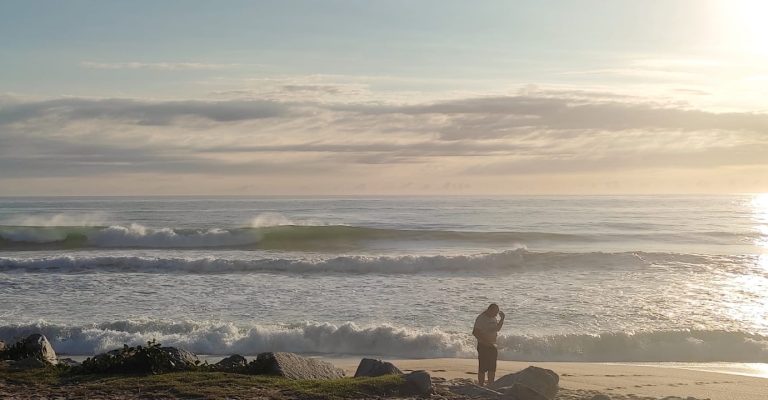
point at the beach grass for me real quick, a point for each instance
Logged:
(195, 384)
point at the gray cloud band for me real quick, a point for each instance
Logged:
(496, 135)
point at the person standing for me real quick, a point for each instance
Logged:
(486, 329)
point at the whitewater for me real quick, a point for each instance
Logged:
(616, 279)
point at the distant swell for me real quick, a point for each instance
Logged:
(511, 260)
(393, 341)
(279, 236)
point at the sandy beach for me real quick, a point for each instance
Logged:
(616, 380)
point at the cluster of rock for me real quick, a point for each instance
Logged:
(149, 359)
(35, 351)
(532, 383)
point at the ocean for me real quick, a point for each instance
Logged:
(600, 278)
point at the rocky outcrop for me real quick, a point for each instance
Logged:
(142, 359)
(372, 367)
(418, 383)
(532, 383)
(293, 366)
(34, 346)
(232, 363)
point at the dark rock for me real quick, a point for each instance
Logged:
(140, 359)
(372, 367)
(234, 362)
(293, 366)
(68, 362)
(600, 397)
(28, 363)
(37, 346)
(469, 389)
(532, 383)
(418, 383)
(180, 359)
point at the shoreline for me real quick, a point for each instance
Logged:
(748, 369)
(613, 379)
(714, 381)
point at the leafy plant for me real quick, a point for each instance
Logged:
(17, 351)
(149, 359)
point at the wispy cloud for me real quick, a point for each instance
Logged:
(536, 133)
(162, 66)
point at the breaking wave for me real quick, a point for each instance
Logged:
(275, 232)
(221, 338)
(505, 261)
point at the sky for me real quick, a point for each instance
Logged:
(383, 97)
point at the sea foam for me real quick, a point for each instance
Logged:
(221, 338)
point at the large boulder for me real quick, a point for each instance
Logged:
(418, 383)
(235, 362)
(532, 383)
(372, 367)
(140, 359)
(293, 366)
(34, 346)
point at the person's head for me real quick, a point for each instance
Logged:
(493, 310)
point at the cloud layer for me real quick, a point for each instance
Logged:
(473, 139)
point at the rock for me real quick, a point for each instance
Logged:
(28, 363)
(600, 397)
(532, 383)
(232, 363)
(472, 390)
(150, 359)
(418, 383)
(179, 359)
(293, 366)
(68, 362)
(37, 346)
(372, 367)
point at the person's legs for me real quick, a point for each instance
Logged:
(481, 367)
(494, 355)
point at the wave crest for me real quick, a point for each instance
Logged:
(506, 261)
(220, 338)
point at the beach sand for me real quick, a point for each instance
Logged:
(617, 380)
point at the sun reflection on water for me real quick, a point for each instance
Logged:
(760, 216)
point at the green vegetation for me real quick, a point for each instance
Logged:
(149, 359)
(194, 384)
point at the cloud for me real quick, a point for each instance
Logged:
(534, 133)
(161, 66)
(501, 116)
(144, 112)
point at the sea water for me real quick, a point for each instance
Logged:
(610, 279)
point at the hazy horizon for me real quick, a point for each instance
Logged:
(392, 98)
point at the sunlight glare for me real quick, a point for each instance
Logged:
(746, 25)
